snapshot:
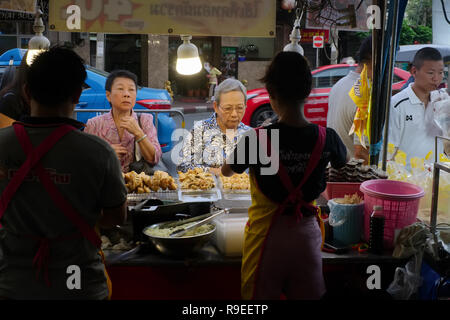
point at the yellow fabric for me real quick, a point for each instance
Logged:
(361, 96)
(321, 225)
(108, 280)
(260, 215)
(102, 256)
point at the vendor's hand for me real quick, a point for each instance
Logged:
(216, 171)
(120, 150)
(131, 125)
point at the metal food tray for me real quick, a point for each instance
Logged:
(190, 195)
(229, 194)
(161, 195)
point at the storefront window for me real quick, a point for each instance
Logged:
(24, 42)
(8, 27)
(256, 48)
(7, 42)
(25, 27)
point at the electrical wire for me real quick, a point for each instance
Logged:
(445, 12)
(359, 5)
(321, 12)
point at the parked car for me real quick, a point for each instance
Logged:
(94, 97)
(316, 106)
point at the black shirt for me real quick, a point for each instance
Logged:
(296, 145)
(12, 106)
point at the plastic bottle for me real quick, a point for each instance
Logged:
(376, 230)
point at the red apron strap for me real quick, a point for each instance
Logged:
(312, 163)
(60, 201)
(87, 231)
(295, 194)
(315, 156)
(34, 155)
(31, 160)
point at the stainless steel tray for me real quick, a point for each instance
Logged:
(161, 195)
(229, 194)
(189, 195)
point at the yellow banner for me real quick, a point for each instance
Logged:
(27, 6)
(239, 18)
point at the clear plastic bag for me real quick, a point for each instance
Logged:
(406, 280)
(439, 112)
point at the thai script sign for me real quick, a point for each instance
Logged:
(308, 34)
(243, 18)
(27, 6)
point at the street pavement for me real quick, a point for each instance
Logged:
(191, 105)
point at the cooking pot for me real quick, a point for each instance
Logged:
(178, 246)
(154, 211)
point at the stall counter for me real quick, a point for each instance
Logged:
(144, 273)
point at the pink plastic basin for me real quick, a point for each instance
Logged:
(392, 190)
(400, 202)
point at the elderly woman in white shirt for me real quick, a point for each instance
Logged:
(206, 146)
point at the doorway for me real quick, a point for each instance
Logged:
(123, 52)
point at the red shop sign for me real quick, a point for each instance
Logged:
(308, 34)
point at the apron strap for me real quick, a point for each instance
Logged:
(312, 163)
(295, 193)
(34, 155)
(31, 160)
(60, 201)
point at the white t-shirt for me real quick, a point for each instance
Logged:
(407, 126)
(342, 109)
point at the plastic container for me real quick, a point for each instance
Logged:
(400, 202)
(229, 237)
(347, 221)
(340, 189)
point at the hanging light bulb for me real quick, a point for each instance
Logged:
(39, 42)
(295, 34)
(295, 38)
(288, 4)
(188, 61)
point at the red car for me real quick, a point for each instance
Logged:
(316, 106)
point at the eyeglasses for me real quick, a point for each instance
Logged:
(228, 108)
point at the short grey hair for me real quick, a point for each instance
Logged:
(229, 85)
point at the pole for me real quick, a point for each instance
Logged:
(317, 57)
(376, 101)
(334, 44)
(388, 88)
(100, 53)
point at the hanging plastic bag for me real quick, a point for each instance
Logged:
(437, 114)
(396, 169)
(406, 281)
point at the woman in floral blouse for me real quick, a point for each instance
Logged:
(212, 140)
(121, 127)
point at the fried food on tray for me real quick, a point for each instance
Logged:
(196, 179)
(142, 183)
(236, 182)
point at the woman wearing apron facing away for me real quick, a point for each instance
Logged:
(56, 184)
(282, 246)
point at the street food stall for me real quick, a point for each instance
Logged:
(184, 234)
